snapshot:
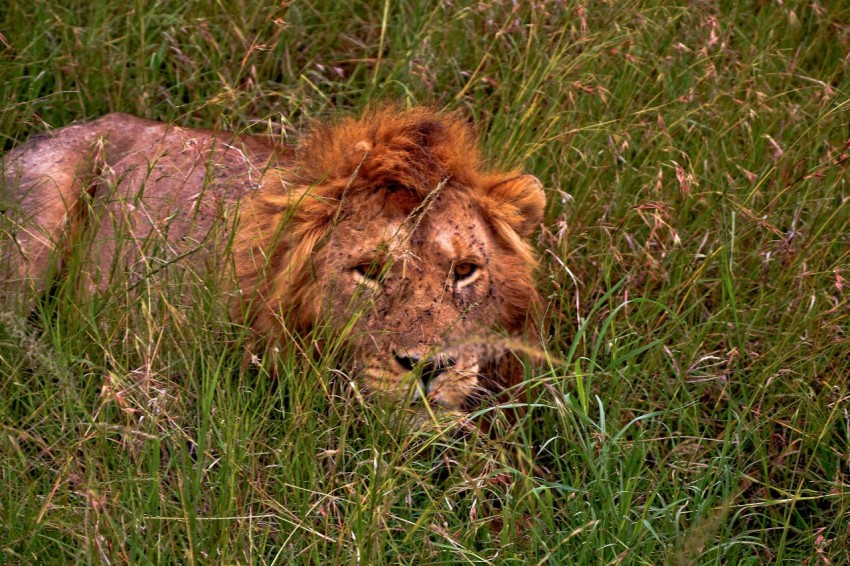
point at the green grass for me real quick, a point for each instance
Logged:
(694, 265)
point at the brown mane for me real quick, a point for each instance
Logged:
(417, 149)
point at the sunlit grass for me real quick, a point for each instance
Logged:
(693, 264)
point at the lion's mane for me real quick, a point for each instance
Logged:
(422, 150)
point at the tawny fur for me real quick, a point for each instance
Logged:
(403, 189)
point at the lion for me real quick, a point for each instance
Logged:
(389, 230)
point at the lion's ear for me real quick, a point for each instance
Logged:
(519, 201)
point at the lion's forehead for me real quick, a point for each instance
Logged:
(462, 242)
(448, 229)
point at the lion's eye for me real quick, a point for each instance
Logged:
(465, 271)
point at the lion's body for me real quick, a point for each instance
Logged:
(386, 229)
(132, 184)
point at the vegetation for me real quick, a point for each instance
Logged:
(695, 258)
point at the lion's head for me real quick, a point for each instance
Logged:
(390, 230)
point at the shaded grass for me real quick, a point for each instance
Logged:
(694, 265)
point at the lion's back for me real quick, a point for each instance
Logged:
(134, 191)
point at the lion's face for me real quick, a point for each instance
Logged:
(419, 286)
(391, 234)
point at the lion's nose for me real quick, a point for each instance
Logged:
(430, 367)
(407, 360)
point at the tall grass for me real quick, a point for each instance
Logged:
(694, 264)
